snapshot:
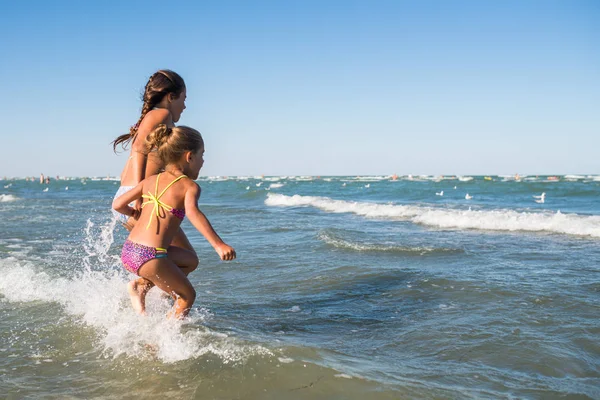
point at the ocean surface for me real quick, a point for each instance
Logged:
(344, 288)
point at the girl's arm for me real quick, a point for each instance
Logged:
(139, 161)
(200, 222)
(121, 203)
(138, 148)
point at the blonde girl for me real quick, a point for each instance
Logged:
(169, 197)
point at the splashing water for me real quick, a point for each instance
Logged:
(97, 242)
(95, 295)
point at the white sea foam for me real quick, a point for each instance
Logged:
(304, 178)
(494, 220)
(97, 297)
(370, 178)
(100, 300)
(573, 178)
(5, 198)
(275, 185)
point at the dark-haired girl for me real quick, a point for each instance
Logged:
(163, 102)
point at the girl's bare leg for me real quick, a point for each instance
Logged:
(137, 289)
(163, 273)
(185, 259)
(181, 240)
(180, 252)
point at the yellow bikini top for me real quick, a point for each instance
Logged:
(159, 205)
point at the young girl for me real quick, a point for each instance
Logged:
(164, 101)
(170, 196)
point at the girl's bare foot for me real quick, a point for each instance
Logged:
(137, 294)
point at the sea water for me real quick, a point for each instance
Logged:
(344, 288)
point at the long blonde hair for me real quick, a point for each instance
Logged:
(172, 143)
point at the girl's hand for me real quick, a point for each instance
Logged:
(135, 214)
(226, 252)
(137, 206)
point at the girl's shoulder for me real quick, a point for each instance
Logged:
(166, 183)
(191, 185)
(154, 118)
(158, 113)
(189, 182)
(148, 182)
(165, 178)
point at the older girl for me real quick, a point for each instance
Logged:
(163, 102)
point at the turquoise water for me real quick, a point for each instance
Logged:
(344, 287)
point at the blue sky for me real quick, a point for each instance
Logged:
(309, 87)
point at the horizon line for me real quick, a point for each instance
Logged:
(261, 176)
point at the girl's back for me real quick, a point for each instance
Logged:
(163, 102)
(163, 209)
(153, 164)
(167, 196)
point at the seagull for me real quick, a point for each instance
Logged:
(368, 185)
(258, 184)
(247, 187)
(45, 190)
(67, 188)
(541, 198)
(454, 187)
(440, 193)
(344, 184)
(468, 197)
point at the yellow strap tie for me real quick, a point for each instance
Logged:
(155, 199)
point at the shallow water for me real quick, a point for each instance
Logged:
(344, 287)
